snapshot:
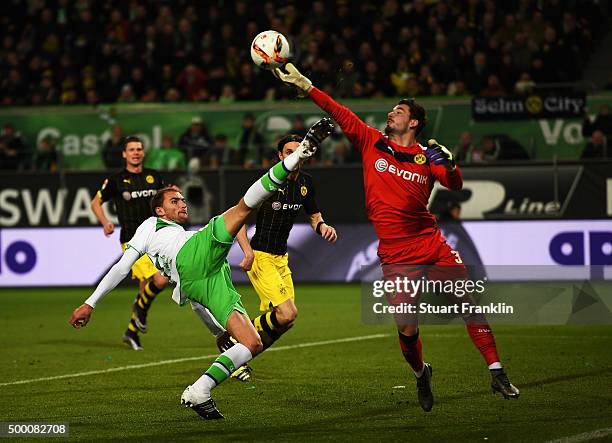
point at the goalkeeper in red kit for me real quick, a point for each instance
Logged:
(399, 175)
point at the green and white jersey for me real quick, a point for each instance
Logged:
(161, 240)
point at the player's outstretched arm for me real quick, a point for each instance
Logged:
(80, 316)
(352, 126)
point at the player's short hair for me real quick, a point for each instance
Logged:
(158, 199)
(287, 139)
(129, 139)
(417, 112)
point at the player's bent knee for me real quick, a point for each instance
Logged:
(408, 330)
(286, 312)
(286, 315)
(160, 281)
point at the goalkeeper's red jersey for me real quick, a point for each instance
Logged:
(398, 179)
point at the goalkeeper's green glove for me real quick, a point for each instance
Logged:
(439, 154)
(289, 74)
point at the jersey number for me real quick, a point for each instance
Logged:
(458, 257)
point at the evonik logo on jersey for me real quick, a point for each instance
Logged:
(277, 206)
(382, 165)
(138, 194)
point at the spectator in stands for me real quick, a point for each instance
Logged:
(127, 94)
(494, 88)
(166, 158)
(221, 153)
(487, 152)
(465, 147)
(524, 84)
(227, 94)
(602, 122)
(341, 153)
(451, 212)
(191, 81)
(298, 127)
(13, 151)
(251, 142)
(45, 156)
(597, 147)
(477, 73)
(456, 88)
(172, 95)
(112, 153)
(196, 140)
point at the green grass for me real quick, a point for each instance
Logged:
(335, 392)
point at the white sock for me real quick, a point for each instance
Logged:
(292, 161)
(220, 370)
(496, 365)
(266, 185)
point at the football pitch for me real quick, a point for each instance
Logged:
(331, 378)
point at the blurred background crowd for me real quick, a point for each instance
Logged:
(136, 51)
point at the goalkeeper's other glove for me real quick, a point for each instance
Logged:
(315, 136)
(289, 74)
(439, 154)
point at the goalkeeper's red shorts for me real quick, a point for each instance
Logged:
(426, 255)
(426, 249)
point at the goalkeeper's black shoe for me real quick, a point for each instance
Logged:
(501, 384)
(425, 395)
(140, 318)
(132, 340)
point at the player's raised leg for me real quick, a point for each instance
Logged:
(260, 190)
(220, 294)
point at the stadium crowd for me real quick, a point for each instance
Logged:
(91, 52)
(87, 51)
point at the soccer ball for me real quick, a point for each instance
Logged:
(270, 50)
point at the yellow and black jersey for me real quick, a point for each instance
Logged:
(131, 193)
(277, 214)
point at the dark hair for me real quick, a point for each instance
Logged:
(287, 139)
(129, 139)
(417, 112)
(158, 199)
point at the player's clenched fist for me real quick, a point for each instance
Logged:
(329, 233)
(80, 316)
(109, 228)
(439, 155)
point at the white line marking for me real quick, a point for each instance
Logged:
(275, 349)
(586, 436)
(201, 357)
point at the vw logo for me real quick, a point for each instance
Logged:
(381, 165)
